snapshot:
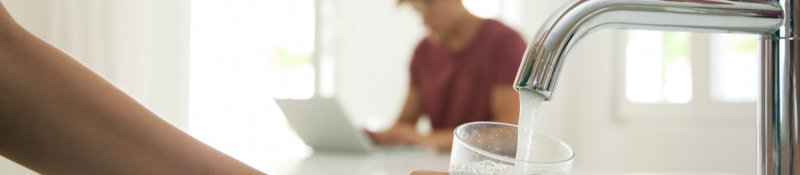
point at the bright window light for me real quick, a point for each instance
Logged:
(326, 89)
(734, 68)
(658, 67)
(483, 8)
(237, 49)
(291, 73)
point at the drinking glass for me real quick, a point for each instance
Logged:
(490, 148)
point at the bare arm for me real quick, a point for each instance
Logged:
(412, 108)
(58, 117)
(403, 132)
(505, 104)
(505, 108)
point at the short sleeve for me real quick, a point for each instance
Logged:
(509, 52)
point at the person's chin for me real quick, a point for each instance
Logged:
(434, 29)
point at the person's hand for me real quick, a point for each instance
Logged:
(423, 172)
(400, 134)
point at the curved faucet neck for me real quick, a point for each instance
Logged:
(561, 32)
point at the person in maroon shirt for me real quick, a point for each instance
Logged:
(461, 72)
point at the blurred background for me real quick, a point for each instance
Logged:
(629, 101)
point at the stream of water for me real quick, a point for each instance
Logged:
(529, 107)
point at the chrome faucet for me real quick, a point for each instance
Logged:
(779, 52)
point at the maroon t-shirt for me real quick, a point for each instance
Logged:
(455, 87)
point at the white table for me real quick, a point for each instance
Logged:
(360, 164)
(376, 164)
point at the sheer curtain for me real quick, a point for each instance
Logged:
(141, 46)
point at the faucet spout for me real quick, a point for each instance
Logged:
(562, 31)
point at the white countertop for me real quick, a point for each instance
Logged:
(402, 164)
(375, 164)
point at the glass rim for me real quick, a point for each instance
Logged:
(508, 159)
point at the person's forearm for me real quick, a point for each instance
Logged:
(443, 138)
(58, 117)
(504, 104)
(510, 118)
(440, 138)
(411, 108)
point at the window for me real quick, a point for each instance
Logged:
(291, 71)
(680, 75)
(658, 67)
(483, 8)
(734, 71)
(239, 50)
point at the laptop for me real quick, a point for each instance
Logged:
(323, 125)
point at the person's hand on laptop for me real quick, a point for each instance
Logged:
(400, 134)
